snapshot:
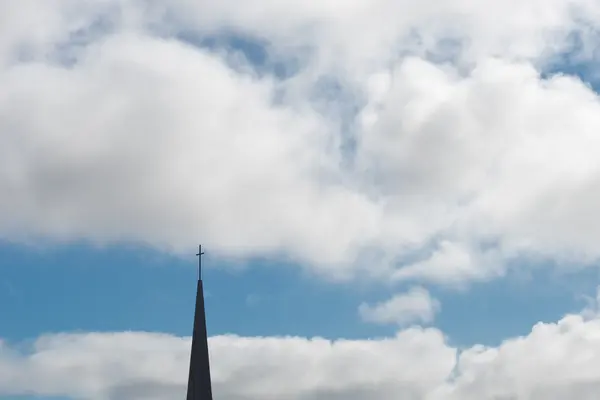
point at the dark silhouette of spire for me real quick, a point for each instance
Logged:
(199, 385)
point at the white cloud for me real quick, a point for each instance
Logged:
(112, 129)
(555, 361)
(167, 154)
(415, 305)
(513, 29)
(451, 263)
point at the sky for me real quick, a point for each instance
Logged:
(397, 200)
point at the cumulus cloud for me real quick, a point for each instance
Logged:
(401, 141)
(555, 361)
(415, 305)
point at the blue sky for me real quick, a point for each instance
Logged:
(84, 288)
(395, 200)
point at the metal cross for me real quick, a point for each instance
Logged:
(200, 253)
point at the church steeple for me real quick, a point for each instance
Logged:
(199, 384)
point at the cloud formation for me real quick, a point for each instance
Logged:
(394, 140)
(555, 361)
(416, 305)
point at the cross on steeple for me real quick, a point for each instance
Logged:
(200, 253)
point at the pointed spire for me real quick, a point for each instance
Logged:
(199, 384)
